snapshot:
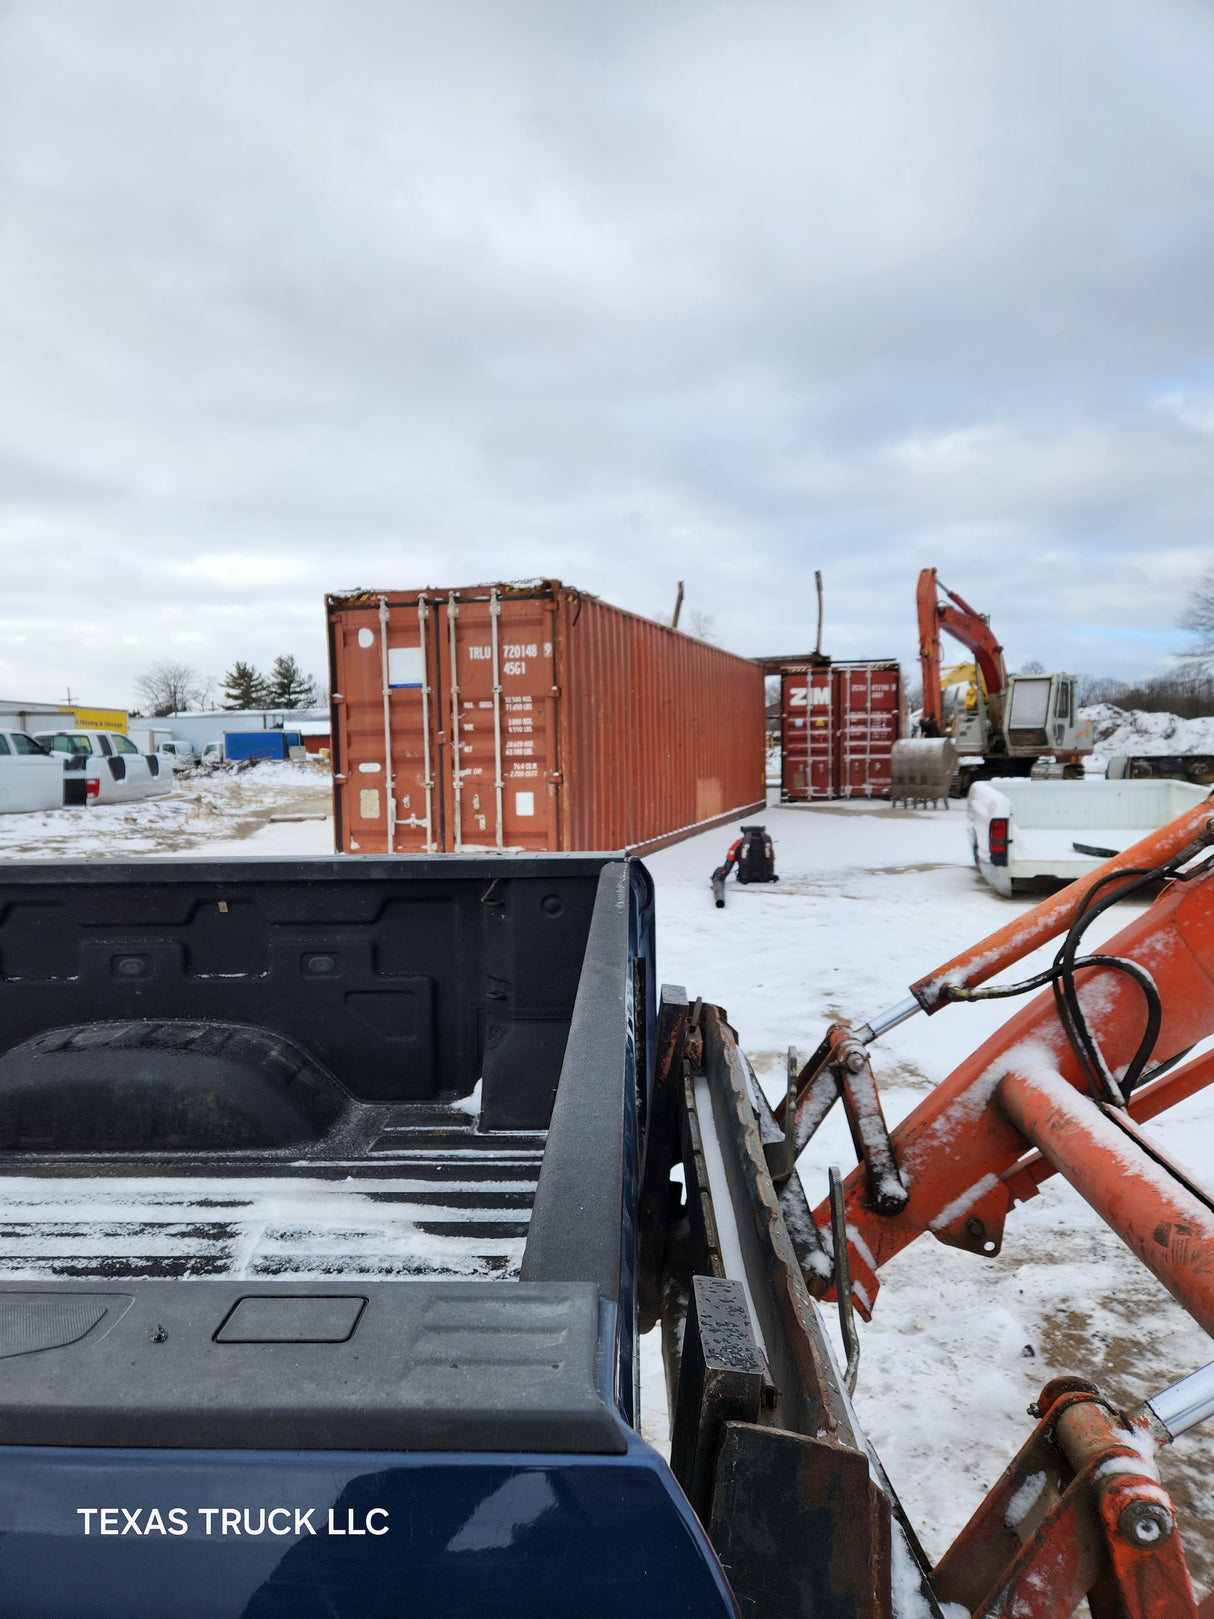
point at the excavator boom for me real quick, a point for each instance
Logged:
(965, 624)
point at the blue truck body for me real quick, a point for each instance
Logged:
(462, 1536)
(239, 745)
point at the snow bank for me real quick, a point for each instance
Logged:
(1135, 730)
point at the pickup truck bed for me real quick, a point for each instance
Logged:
(287, 1329)
(254, 1256)
(1046, 819)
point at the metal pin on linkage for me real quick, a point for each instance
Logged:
(847, 1319)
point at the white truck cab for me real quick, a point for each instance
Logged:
(105, 767)
(177, 755)
(30, 779)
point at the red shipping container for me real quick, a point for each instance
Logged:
(808, 733)
(839, 723)
(533, 718)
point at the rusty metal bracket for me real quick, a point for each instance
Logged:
(1080, 1512)
(847, 1319)
(840, 1068)
(721, 1380)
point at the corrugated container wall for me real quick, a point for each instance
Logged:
(533, 719)
(839, 723)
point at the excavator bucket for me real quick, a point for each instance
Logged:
(923, 769)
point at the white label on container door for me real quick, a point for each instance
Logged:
(368, 803)
(369, 767)
(405, 667)
(524, 803)
(366, 637)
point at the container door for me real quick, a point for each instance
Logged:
(869, 706)
(794, 737)
(822, 762)
(498, 722)
(384, 669)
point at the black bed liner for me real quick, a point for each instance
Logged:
(183, 1042)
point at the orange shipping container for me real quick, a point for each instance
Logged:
(532, 718)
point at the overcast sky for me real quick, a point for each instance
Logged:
(303, 296)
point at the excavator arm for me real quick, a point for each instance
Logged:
(965, 624)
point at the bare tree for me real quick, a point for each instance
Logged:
(1198, 619)
(168, 686)
(703, 625)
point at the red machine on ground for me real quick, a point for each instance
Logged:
(1062, 1088)
(1005, 721)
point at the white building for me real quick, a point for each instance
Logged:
(202, 725)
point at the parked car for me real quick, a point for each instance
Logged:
(30, 778)
(177, 755)
(105, 767)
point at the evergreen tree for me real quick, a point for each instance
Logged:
(245, 687)
(289, 686)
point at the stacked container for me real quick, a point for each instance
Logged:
(839, 723)
(533, 718)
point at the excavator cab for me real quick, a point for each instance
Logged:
(1043, 717)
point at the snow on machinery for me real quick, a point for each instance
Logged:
(1062, 1088)
(1003, 723)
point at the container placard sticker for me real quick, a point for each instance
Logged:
(524, 803)
(405, 667)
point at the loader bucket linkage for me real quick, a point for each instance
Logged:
(1080, 1512)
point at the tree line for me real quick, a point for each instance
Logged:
(169, 687)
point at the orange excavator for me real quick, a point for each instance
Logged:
(1004, 723)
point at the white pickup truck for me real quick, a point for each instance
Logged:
(105, 767)
(1025, 832)
(30, 779)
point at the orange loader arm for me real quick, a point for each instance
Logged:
(958, 1153)
(1062, 1088)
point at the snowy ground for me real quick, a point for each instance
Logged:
(869, 900)
(203, 812)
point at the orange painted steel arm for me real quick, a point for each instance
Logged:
(1126, 1179)
(972, 630)
(965, 624)
(953, 1149)
(929, 647)
(1148, 1102)
(1053, 916)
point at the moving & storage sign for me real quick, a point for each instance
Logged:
(98, 719)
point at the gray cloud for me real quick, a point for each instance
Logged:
(302, 295)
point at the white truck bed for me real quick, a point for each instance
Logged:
(1046, 819)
